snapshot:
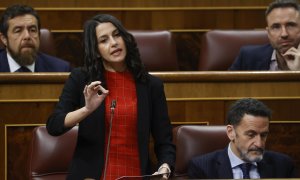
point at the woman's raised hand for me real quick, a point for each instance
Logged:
(94, 95)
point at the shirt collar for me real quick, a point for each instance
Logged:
(273, 57)
(13, 65)
(234, 160)
(274, 64)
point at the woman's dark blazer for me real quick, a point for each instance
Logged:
(88, 158)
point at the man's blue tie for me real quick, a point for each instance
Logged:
(245, 167)
(23, 69)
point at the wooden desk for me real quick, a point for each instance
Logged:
(26, 100)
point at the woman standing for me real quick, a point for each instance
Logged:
(113, 71)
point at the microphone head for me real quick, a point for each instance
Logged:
(113, 103)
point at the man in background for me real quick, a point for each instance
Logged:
(20, 33)
(245, 157)
(283, 52)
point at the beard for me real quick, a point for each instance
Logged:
(24, 58)
(248, 157)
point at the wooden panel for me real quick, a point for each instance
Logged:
(18, 141)
(195, 111)
(192, 97)
(214, 111)
(136, 3)
(285, 138)
(69, 46)
(188, 46)
(157, 19)
(26, 112)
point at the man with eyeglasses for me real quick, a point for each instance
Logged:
(283, 52)
(20, 34)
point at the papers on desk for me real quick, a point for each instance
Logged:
(148, 177)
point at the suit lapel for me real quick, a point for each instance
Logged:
(142, 110)
(264, 169)
(4, 67)
(143, 122)
(223, 165)
(39, 65)
(266, 58)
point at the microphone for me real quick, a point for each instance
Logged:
(113, 106)
(112, 112)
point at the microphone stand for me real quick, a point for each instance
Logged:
(112, 112)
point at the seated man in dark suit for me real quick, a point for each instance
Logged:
(20, 34)
(283, 52)
(245, 157)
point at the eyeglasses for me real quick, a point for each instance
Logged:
(289, 28)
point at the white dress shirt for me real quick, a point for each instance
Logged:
(237, 172)
(274, 64)
(14, 66)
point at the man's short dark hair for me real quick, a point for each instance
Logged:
(282, 4)
(247, 106)
(14, 11)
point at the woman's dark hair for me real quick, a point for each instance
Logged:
(248, 106)
(14, 11)
(93, 64)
